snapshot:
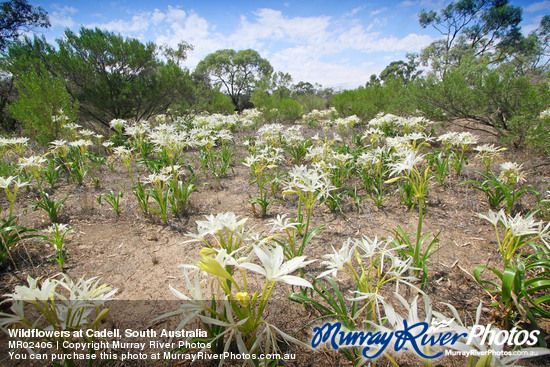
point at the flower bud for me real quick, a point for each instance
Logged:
(243, 298)
(207, 251)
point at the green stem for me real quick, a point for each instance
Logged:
(418, 234)
(301, 250)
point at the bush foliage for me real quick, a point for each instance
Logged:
(43, 106)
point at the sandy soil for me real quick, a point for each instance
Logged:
(141, 257)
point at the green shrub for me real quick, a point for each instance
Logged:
(538, 135)
(43, 106)
(220, 103)
(276, 109)
(501, 102)
(366, 102)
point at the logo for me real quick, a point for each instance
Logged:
(417, 337)
(503, 337)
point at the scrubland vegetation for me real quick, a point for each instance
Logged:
(303, 174)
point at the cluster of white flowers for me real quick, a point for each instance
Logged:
(282, 223)
(174, 137)
(267, 156)
(309, 180)
(456, 139)
(250, 117)
(215, 121)
(347, 122)
(371, 251)
(86, 133)
(373, 157)
(382, 121)
(511, 173)
(488, 151)
(139, 129)
(59, 228)
(271, 134)
(122, 151)
(517, 225)
(6, 182)
(324, 116)
(8, 142)
(32, 162)
(418, 124)
(223, 230)
(60, 116)
(168, 137)
(406, 160)
(293, 136)
(118, 124)
(161, 119)
(56, 302)
(157, 179)
(373, 135)
(80, 143)
(205, 137)
(56, 144)
(317, 153)
(407, 124)
(72, 126)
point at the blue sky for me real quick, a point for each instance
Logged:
(335, 43)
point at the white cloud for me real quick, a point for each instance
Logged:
(355, 11)
(535, 24)
(62, 17)
(377, 11)
(175, 14)
(325, 49)
(194, 29)
(138, 24)
(377, 23)
(426, 4)
(157, 16)
(141, 22)
(357, 38)
(540, 6)
(315, 39)
(271, 24)
(299, 63)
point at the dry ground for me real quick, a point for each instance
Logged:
(141, 257)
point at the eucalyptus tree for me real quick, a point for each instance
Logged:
(470, 28)
(116, 77)
(17, 16)
(235, 72)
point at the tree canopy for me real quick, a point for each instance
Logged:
(236, 72)
(403, 70)
(470, 28)
(116, 77)
(17, 16)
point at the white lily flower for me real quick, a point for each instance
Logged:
(80, 143)
(193, 303)
(281, 223)
(5, 183)
(117, 124)
(274, 269)
(338, 260)
(406, 163)
(32, 162)
(520, 226)
(370, 246)
(493, 217)
(33, 291)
